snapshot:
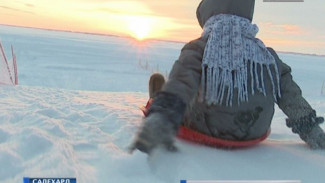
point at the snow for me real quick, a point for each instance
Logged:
(77, 108)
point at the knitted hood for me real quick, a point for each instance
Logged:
(208, 8)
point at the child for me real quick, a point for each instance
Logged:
(225, 84)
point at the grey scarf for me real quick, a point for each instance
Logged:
(230, 49)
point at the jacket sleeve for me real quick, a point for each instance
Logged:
(291, 102)
(185, 76)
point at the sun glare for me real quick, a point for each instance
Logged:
(140, 28)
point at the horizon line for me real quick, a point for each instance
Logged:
(130, 37)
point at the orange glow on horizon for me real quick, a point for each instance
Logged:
(136, 19)
(161, 20)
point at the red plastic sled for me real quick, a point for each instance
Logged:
(200, 138)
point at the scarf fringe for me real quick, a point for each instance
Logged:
(231, 49)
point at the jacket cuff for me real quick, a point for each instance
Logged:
(305, 124)
(170, 105)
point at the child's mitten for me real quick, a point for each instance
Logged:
(161, 124)
(309, 130)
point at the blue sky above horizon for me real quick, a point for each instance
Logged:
(285, 26)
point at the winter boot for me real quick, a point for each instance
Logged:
(156, 83)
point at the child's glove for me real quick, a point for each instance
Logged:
(161, 125)
(309, 130)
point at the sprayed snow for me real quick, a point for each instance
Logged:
(77, 109)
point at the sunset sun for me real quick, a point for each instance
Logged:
(140, 28)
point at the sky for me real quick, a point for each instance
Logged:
(285, 26)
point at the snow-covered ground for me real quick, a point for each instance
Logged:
(77, 108)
